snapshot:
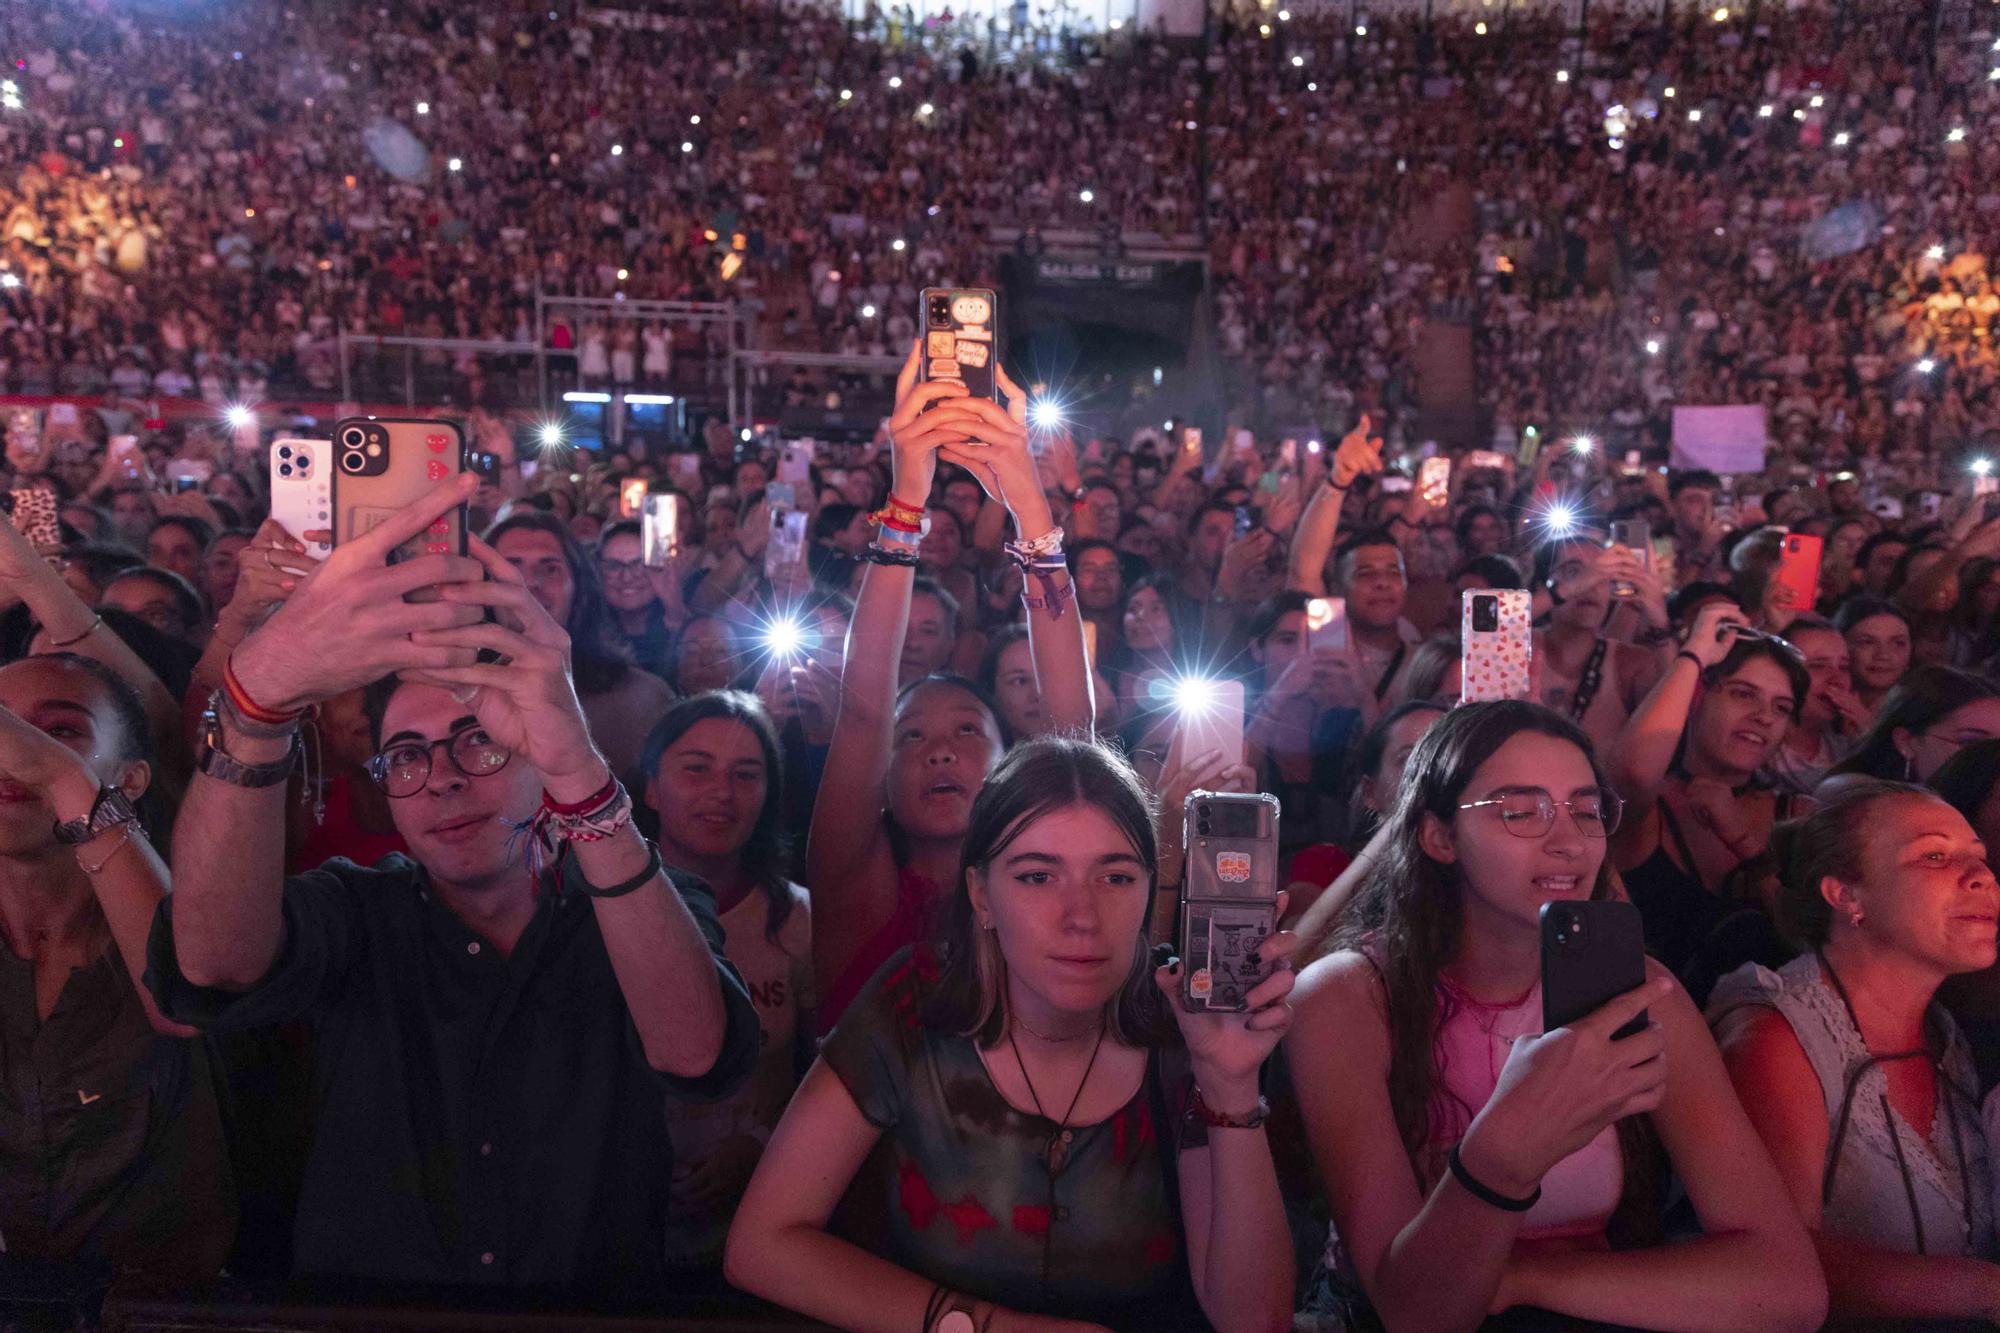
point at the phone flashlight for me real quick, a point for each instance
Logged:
(1982, 467)
(1319, 613)
(1045, 414)
(1560, 520)
(785, 637)
(550, 435)
(1193, 695)
(238, 416)
(1583, 444)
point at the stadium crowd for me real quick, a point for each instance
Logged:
(514, 907)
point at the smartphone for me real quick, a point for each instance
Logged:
(1497, 630)
(32, 511)
(24, 432)
(1531, 447)
(1930, 504)
(788, 541)
(383, 464)
(1326, 623)
(632, 497)
(781, 495)
(1798, 569)
(687, 472)
(484, 465)
(1212, 721)
(1487, 458)
(1191, 440)
(795, 462)
(660, 530)
(1229, 896)
(1090, 644)
(1434, 480)
(960, 337)
(1246, 520)
(125, 448)
(1592, 952)
(302, 489)
(1986, 485)
(1636, 536)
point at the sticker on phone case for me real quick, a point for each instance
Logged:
(437, 444)
(976, 335)
(973, 354)
(437, 548)
(436, 470)
(1233, 867)
(441, 528)
(945, 370)
(942, 344)
(1200, 983)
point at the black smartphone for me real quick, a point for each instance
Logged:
(1592, 952)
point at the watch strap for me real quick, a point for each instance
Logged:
(216, 762)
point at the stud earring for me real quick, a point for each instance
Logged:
(1854, 917)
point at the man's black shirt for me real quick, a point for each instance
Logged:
(478, 1120)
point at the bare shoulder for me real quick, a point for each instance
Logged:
(1342, 991)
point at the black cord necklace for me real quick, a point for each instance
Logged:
(1854, 1077)
(1056, 1154)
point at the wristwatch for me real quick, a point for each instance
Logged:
(111, 808)
(218, 763)
(961, 1316)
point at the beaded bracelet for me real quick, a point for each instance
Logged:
(1048, 544)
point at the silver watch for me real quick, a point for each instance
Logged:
(111, 808)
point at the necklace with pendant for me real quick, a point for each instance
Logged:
(1056, 1153)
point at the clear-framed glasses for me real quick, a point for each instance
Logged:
(1530, 812)
(621, 569)
(404, 768)
(1784, 644)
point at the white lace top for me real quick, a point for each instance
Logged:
(1868, 1200)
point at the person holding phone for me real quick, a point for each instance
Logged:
(558, 1008)
(1474, 1163)
(1694, 847)
(1060, 1145)
(1858, 1081)
(1594, 679)
(885, 837)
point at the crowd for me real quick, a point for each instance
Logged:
(584, 920)
(593, 922)
(1789, 213)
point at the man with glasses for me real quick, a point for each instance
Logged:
(497, 1018)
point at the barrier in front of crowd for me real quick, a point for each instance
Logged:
(700, 316)
(748, 369)
(436, 378)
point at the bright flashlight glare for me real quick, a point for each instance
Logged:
(784, 637)
(1935, 252)
(1652, 347)
(1583, 444)
(1926, 366)
(1045, 414)
(1193, 695)
(551, 435)
(238, 416)
(1560, 520)
(1982, 467)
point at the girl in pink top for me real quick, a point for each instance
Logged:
(1473, 1162)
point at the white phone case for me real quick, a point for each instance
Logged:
(1496, 658)
(302, 490)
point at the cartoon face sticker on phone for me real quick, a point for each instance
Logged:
(971, 308)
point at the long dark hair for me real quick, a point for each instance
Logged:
(1408, 920)
(1966, 780)
(764, 856)
(1830, 840)
(599, 659)
(1035, 779)
(1915, 704)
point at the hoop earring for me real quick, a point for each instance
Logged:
(1854, 918)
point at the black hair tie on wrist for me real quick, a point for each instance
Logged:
(1485, 1193)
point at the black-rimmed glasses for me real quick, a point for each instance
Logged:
(1530, 812)
(404, 768)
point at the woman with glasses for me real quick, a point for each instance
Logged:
(1687, 764)
(645, 603)
(1858, 1081)
(1933, 712)
(1474, 1163)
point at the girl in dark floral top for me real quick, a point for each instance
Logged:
(1046, 1127)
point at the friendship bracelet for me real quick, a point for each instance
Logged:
(244, 704)
(1485, 1193)
(1052, 598)
(1049, 543)
(95, 623)
(124, 836)
(593, 823)
(596, 798)
(908, 512)
(876, 555)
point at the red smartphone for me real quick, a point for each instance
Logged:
(1798, 569)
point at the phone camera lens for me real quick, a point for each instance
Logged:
(284, 469)
(1485, 614)
(354, 461)
(354, 437)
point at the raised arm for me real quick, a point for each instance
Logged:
(1638, 762)
(267, 572)
(1319, 524)
(346, 626)
(847, 848)
(665, 971)
(996, 454)
(1934, 590)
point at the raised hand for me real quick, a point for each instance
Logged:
(1358, 453)
(347, 624)
(928, 415)
(525, 699)
(1227, 1050)
(33, 760)
(1713, 633)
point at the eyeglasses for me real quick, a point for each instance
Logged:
(621, 569)
(1530, 812)
(1784, 645)
(404, 768)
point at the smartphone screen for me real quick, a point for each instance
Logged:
(632, 497)
(660, 530)
(1434, 479)
(1211, 718)
(788, 541)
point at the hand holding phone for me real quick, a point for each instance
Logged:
(1229, 897)
(1496, 627)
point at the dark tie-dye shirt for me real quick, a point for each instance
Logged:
(966, 1193)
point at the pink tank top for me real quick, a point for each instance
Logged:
(1581, 1191)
